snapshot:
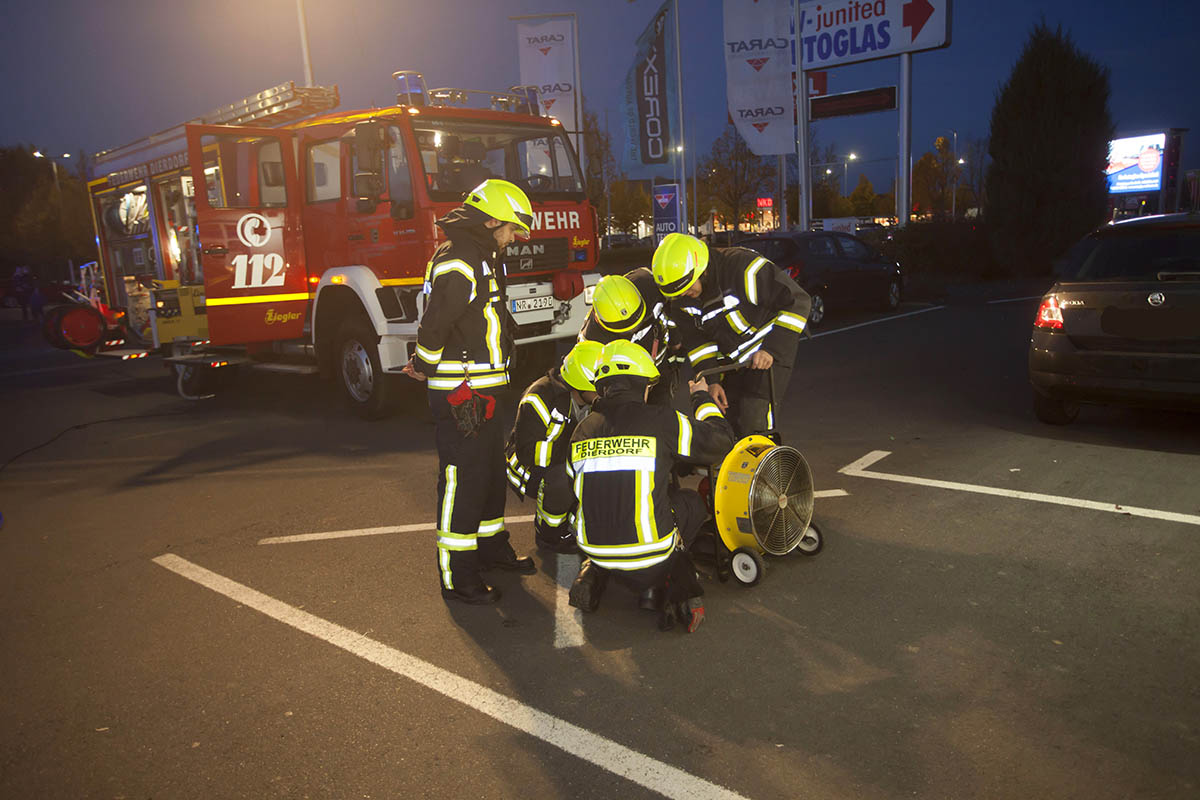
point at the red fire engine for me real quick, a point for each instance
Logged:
(281, 234)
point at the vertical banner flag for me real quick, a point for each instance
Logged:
(758, 74)
(547, 55)
(666, 211)
(650, 104)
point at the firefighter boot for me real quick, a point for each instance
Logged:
(555, 538)
(588, 587)
(650, 599)
(504, 557)
(479, 594)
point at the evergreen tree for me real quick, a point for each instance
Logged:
(1050, 129)
(863, 197)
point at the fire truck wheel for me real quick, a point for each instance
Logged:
(81, 327)
(195, 382)
(365, 387)
(51, 329)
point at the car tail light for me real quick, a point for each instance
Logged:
(1049, 314)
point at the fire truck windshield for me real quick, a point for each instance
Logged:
(458, 155)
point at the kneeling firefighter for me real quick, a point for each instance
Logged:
(631, 521)
(537, 449)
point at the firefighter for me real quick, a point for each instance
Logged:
(537, 449)
(745, 312)
(630, 306)
(631, 520)
(463, 349)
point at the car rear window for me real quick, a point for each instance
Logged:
(1141, 255)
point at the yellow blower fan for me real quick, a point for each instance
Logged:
(763, 503)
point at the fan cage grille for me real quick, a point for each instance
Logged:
(777, 526)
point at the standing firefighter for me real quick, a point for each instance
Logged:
(745, 311)
(631, 521)
(463, 351)
(537, 450)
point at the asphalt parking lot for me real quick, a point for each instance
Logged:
(238, 599)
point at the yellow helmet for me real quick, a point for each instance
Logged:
(618, 304)
(578, 368)
(503, 201)
(678, 262)
(623, 358)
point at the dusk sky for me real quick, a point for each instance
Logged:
(94, 75)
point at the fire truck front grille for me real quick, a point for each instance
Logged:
(536, 255)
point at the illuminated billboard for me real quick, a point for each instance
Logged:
(1135, 163)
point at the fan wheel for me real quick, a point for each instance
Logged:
(781, 500)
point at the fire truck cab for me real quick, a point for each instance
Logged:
(281, 234)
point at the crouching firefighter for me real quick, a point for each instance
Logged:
(537, 449)
(745, 312)
(631, 521)
(463, 353)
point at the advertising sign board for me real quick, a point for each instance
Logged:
(650, 107)
(666, 211)
(847, 103)
(1135, 163)
(758, 74)
(840, 224)
(848, 31)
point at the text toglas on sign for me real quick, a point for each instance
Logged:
(1135, 163)
(846, 31)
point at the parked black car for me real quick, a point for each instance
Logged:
(1122, 323)
(838, 270)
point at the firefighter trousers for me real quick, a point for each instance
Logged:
(470, 494)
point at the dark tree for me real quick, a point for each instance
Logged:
(601, 170)
(1051, 125)
(735, 176)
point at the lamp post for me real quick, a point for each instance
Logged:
(953, 158)
(58, 193)
(845, 167)
(954, 191)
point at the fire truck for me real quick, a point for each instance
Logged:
(280, 233)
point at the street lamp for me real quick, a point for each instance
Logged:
(845, 167)
(954, 191)
(58, 192)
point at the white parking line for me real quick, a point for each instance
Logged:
(572, 739)
(858, 469)
(416, 526)
(874, 322)
(568, 621)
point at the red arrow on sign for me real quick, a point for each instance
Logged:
(916, 14)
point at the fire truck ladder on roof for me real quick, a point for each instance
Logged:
(278, 105)
(412, 92)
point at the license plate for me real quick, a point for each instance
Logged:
(532, 304)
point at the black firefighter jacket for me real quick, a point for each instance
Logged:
(464, 328)
(747, 304)
(542, 432)
(620, 464)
